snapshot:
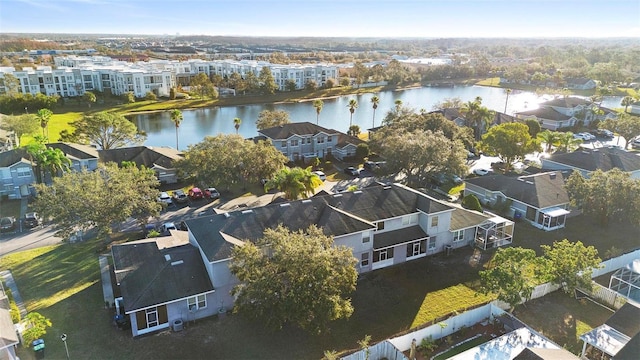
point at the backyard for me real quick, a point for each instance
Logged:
(63, 284)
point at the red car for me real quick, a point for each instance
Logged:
(196, 194)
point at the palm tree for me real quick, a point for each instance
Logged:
(374, 101)
(398, 104)
(550, 138)
(626, 101)
(353, 105)
(318, 104)
(295, 183)
(477, 116)
(54, 161)
(567, 143)
(507, 91)
(44, 115)
(236, 124)
(176, 117)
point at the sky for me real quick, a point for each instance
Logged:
(328, 18)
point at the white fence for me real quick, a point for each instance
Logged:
(616, 263)
(381, 350)
(606, 296)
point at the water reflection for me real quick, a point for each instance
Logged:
(334, 115)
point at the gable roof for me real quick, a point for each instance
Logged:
(298, 128)
(566, 102)
(12, 157)
(77, 151)
(546, 113)
(150, 275)
(538, 190)
(337, 214)
(463, 219)
(603, 158)
(142, 155)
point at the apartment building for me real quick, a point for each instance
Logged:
(73, 75)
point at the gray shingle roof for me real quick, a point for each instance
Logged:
(149, 278)
(142, 155)
(545, 113)
(298, 128)
(463, 219)
(336, 214)
(11, 157)
(538, 190)
(604, 159)
(566, 102)
(399, 236)
(78, 151)
(626, 320)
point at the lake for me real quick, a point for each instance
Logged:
(335, 114)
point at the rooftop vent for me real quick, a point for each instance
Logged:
(177, 263)
(358, 192)
(306, 201)
(285, 205)
(247, 211)
(529, 182)
(337, 195)
(167, 257)
(227, 215)
(552, 175)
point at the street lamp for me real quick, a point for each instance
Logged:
(63, 337)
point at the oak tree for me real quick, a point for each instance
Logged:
(510, 142)
(295, 277)
(108, 130)
(271, 118)
(571, 264)
(102, 199)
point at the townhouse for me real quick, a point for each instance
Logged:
(566, 112)
(383, 225)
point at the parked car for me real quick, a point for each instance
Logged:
(352, 171)
(321, 175)
(167, 226)
(31, 219)
(180, 197)
(603, 133)
(195, 193)
(370, 165)
(165, 199)
(635, 144)
(7, 223)
(584, 136)
(481, 171)
(211, 193)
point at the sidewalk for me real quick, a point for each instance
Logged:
(7, 278)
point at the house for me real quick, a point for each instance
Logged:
(162, 281)
(305, 140)
(83, 157)
(160, 159)
(581, 83)
(541, 198)
(589, 160)
(8, 336)
(16, 174)
(383, 225)
(565, 112)
(613, 337)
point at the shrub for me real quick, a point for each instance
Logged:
(471, 202)
(427, 345)
(15, 313)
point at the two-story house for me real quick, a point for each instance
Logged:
(541, 199)
(83, 157)
(383, 225)
(565, 112)
(588, 160)
(160, 159)
(305, 140)
(16, 174)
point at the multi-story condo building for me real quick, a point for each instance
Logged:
(74, 75)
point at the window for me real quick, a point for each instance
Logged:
(320, 139)
(364, 259)
(366, 239)
(328, 138)
(284, 144)
(431, 243)
(458, 235)
(308, 140)
(23, 172)
(294, 142)
(380, 225)
(197, 302)
(411, 219)
(382, 255)
(151, 317)
(434, 221)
